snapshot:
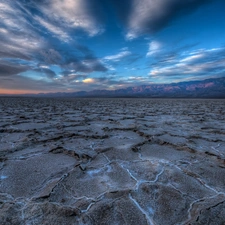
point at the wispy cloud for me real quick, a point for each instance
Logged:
(70, 14)
(36, 31)
(192, 57)
(18, 37)
(118, 57)
(154, 47)
(149, 16)
(57, 31)
(194, 64)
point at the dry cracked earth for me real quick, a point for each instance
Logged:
(112, 161)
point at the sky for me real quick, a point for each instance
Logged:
(83, 45)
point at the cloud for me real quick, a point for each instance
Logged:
(123, 57)
(78, 58)
(18, 37)
(50, 56)
(69, 14)
(8, 69)
(26, 84)
(118, 57)
(71, 83)
(202, 62)
(57, 31)
(86, 65)
(68, 77)
(89, 80)
(41, 42)
(149, 16)
(154, 47)
(192, 58)
(49, 73)
(39, 32)
(31, 29)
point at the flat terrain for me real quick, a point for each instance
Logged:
(112, 161)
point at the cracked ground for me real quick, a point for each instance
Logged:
(112, 161)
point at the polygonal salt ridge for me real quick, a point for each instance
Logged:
(161, 203)
(209, 173)
(188, 184)
(165, 151)
(115, 208)
(200, 210)
(53, 213)
(24, 178)
(203, 171)
(94, 182)
(144, 171)
(4, 197)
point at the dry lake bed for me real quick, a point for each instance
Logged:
(112, 161)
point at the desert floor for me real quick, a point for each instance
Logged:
(112, 161)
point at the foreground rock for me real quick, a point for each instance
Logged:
(112, 161)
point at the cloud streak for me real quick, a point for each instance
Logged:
(194, 64)
(36, 30)
(149, 16)
(154, 47)
(117, 57)
(9, 69)
(63, 16)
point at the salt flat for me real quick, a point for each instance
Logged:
(112, 161)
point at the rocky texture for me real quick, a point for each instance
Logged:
(112, 161)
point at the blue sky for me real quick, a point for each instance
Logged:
(74, 45)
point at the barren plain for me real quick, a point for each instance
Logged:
(112, 161)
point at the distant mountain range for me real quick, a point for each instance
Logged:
(209, 88)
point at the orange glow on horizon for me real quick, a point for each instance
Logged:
(19, 92)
